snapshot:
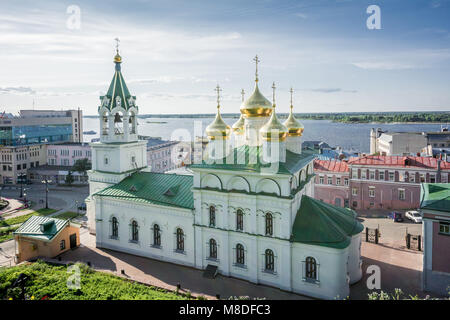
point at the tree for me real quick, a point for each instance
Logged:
(82, 165)
(69, 178)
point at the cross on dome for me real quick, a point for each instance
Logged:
(273, 94)
(256, 59)
(218, 89)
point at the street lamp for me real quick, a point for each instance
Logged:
(21, 184)
(46, 181)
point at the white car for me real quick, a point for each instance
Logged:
(414, 216)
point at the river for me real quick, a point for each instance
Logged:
(348, 136)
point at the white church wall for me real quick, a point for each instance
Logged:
(332, 279)
(168, 219)
(354, 259)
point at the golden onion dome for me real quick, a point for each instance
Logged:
(274, 129)
(294, 126)
(238, 126)
(256, 105)
(218, 129)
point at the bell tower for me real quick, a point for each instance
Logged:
(119, 152)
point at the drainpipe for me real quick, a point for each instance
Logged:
(438, 175)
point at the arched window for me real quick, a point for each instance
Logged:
(212, 249)
(156, 235)
(270, 260)
(180, 239)
(311, 268)
(114, 228)
(239, 220)
(212, 216)
(269, 224)
(240, 254)
(134, 231)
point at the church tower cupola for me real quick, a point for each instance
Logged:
(294, 136)
(218, 133)
(118, 109)
(274, 134)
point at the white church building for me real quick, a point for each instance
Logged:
(246, 212)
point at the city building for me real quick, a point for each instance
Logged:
(406, 143)
(246, 212)
(435, 210)
(392, 182)
(67, 153)
(164, 155)
(45, 237)
(23, 139)
(332, 182)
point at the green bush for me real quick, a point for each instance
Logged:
(50, 281)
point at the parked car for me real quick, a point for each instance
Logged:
(414, 216)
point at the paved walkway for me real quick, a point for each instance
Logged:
(168, 275)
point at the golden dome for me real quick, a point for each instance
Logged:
(256, 105)
(274, 129)
(218, 129)
(294, 126)
(238, 126)
(274, 125)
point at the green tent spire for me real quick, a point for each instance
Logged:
(118, 94)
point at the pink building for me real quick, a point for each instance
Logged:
(332, 182)
(66, 154)
(392, 182)
(435, 209)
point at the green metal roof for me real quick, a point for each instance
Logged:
(156, 188)
(322, 224)
(118, 88)
(50, 227)
(435, 196)
(245, 158)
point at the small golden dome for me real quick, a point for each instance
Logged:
(218, 129)
(294, 126)
(274, 129)
(256, 105)
(238, 126)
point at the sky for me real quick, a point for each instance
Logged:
(175, 52)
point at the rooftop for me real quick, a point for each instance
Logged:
(435, 196)
(249, 159)
(42, 228)
(322, 224)
(156, 188)
(400, 161)
(330, 165)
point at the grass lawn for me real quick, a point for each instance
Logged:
(6, 228)
(67, 215)
(51, 281)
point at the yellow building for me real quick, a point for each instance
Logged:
(45, 237)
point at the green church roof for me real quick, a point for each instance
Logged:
(155, 188)
(322, 224)
(118, 94)
(42, 228)
(435, 196)
(249, 159)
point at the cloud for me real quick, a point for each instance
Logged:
(301, 15)
(16, 90)
(332, 90)
(382, 65)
